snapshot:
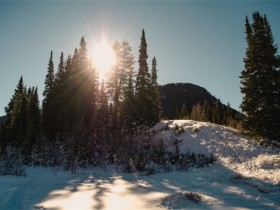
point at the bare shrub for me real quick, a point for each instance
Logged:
(193, 196)
(180, 200)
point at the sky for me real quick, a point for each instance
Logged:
(200, 42)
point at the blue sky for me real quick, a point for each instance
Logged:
(200, 42)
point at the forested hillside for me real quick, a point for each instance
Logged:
(179, 99)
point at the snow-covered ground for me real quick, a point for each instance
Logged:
(246, 176)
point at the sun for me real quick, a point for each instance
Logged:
(103, 57)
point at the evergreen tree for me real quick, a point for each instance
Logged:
(155, 95)
(142, 87)
(48, 125)
(49, 81)
(260, 80)
(15, 127)
(143, 77)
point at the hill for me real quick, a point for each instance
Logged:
(173, 96)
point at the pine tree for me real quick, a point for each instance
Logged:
(48, 125)
(15, 127)
(260, 80)
(143, 77)
(142, 87)
(60, 75)
(155, 94)
(49, 81)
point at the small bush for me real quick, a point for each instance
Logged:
(180, 200)
(193, 196)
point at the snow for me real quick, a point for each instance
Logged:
(246, 176)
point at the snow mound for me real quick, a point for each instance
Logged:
(232, 149)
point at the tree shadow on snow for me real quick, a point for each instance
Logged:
(218, 185)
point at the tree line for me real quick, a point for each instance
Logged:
(88, 115)
(210, 112)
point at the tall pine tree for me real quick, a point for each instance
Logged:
(48, 126)
(260, 80)
(155, 94)
(143, 86)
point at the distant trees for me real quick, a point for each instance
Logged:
(188, 101)
(260, 80)
(215, 113)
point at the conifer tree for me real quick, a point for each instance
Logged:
(260, 80)
(48, 125)
(143, 76)
(15, 127)
(49, 81)
(143, 87)
(59, 95)
(155, 95)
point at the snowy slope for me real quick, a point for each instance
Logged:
(246, 176)
(234, 150)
